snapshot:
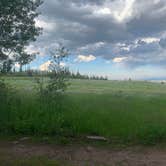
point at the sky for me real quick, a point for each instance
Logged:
(120, 39)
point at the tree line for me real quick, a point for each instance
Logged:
(69, 74)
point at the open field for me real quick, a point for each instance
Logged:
(122, 111)
(96, 86)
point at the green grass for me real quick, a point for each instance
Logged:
(96, 86)
(122, 111)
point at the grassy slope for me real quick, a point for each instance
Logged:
(124, 111)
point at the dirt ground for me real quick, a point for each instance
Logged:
(85, 155)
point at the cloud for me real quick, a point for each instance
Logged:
(163, 43)
(45, 66)
(119, 59)
(47, 26)
(85, 58)
(109, 29)
(126, 12)
(150, 40)
(63, 64)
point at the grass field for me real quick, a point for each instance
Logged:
(122, 111)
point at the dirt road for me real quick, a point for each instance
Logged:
(84, 155)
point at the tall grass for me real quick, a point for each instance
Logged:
(117, 116)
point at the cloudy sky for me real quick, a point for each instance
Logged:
(117, 38)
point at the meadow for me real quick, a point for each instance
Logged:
(121, 111)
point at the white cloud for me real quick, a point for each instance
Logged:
(104, 11)
(123, 46)
(85, 58)
(119, 10)
(47, 26)
(149, 40)
(62, 64)
(45, 66)
(126, 12)
(31, 49)
(119, 59)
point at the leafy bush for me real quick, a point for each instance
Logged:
(6, 98)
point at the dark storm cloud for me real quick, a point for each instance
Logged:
(106, 28)
(163, 42)
(149, 18)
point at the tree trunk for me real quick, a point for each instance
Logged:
(21, 68)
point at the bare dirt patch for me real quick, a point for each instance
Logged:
(85, 155)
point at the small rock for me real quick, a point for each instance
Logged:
(24, 138)
(97, 138)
